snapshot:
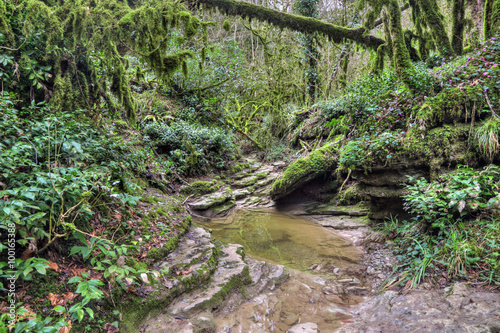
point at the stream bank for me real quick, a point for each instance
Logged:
(250, 292)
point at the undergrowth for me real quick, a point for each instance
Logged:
(455, 231)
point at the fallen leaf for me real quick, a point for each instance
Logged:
(65, 329)
(27, 254)
(55, 300)
(110, 328)
(184, 272)
(69, 297)
(29, 314)
(118, 217)
(53, 265)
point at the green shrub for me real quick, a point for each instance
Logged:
(192, 148)
(457, 196)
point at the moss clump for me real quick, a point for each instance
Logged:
(448, 105)
(226, 25)
(131, 262)
(157, 254)
(305, 169)
(439, 146)
(121, 125)
(200, 188)
(237, 281)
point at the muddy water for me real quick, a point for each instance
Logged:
(283, 239)
(296, 243)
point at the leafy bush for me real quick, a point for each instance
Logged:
(55, 168)
(363, 95)
(455, 230)
(192, 148)
(456, 196)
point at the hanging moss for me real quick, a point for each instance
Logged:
(5, 27)
(409, 36)
(429, 10)
(294, 22)
(378, 65)
(402, 63)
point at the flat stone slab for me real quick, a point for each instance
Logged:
(304, 328)
(210, 200)
(341, 222)
(231, 271)
(456, 309)
(356, 210)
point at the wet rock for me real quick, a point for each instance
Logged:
(304, 328)
(360, 209)
(211, 200)
(457, 309)
(304, 170)
(231, 273)
(241, 193)
(204, 323)
(341, 222)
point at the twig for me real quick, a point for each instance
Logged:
(489, 104)
(345, 181)
(36, 153)
(187, 199)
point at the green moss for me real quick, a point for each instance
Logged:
(401, 56)
(435, 21)
(234, 283)
(121, 125)
(451, 103)
(305, 169)
(458, 25)
(226, 25)
(491, 18)
(306, 25)
(200, 188)
(131, 262)
(439, 146)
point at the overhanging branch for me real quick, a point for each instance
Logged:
(302, 24)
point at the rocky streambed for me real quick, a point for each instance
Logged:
(302, 268)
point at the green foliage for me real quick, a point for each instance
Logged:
(56, 171)
(455, 228)
(461, 194)
(191, 148)
(487, 137)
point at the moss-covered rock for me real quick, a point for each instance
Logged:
(200, 188)
(305, 169)
(208, 201)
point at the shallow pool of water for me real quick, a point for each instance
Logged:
(288, 240)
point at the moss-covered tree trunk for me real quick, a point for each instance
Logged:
(302, 24)
(309, 8)
(457, 29)
(435, 21)
(491, 18)
(401, 56)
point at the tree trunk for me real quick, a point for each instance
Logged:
(435, 21)
(457, 30)
(306, 25)
(401, 56)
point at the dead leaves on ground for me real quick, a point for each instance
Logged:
(61, 300)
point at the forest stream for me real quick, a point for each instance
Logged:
(300, 245)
